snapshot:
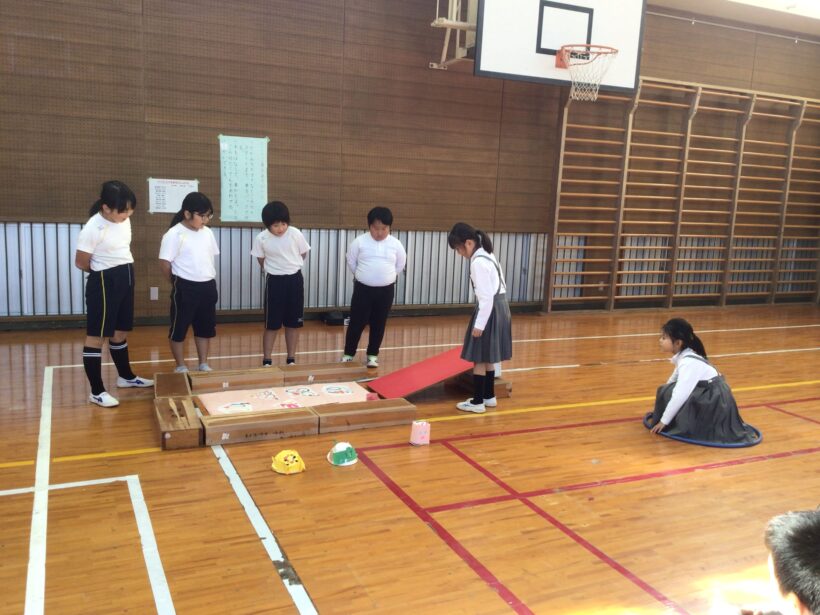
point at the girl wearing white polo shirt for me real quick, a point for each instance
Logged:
(281, 250)
(375, 258)
(696, 403)
(104, 251)
(186, 259)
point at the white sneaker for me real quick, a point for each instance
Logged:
(135, 382)
(346, 358)
(204, 367)
(469, 406)
(103, 399)
(491, 403)
(181, 369)
(372, 360)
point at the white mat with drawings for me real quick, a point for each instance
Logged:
(277, 398)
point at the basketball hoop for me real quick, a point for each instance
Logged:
(587, 65)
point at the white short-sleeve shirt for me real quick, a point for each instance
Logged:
(191, 253)
(108, 243)
(283, 255)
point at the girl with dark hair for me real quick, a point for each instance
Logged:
(488, 339)
(696, 403)
(104, 252)
(186, 259)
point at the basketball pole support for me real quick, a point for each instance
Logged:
(453, 23)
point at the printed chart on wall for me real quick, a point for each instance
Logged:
(244, 174)
(165, 195)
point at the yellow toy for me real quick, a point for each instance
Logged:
(288, 462)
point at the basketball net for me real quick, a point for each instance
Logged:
(587, 65)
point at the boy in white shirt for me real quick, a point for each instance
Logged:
(186, 259)
(281, 250)
(375, 258)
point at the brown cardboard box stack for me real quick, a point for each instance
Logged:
(180, 427)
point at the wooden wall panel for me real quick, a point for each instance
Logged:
(92, 90)
(781, 65)
(72, 105)
(679, 50)
(527, 156)
(422, 142)
(723, 56)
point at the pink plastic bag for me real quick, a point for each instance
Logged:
(420, 433)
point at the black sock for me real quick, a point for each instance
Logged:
(478, 389)
(92, 362)
(119, 354)
(291, 360)
(489, 385)
(266, 362)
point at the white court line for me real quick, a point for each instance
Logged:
(655, 360)
(287, 574)
(150, 553)
(459, 343)
(36, 574)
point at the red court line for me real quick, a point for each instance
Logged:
(508, 596)
(480, 468)
(780, 402)
(622, 570)
(623, 479)
(794, 414)
(496, 434)
(514, 432)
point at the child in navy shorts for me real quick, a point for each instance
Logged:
(281, 250)
(104, 252)
(186, 258)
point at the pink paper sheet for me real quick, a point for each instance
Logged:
(276, 398)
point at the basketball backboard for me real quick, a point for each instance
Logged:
(518, 39)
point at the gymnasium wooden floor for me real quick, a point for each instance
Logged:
(558, 501)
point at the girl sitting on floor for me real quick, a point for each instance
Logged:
(696, 403)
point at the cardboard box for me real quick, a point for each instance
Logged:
(503, 388)
(172, 385)
(256, 378)
(323, 372)
(365, 414)
(253, 426)
(179, 425)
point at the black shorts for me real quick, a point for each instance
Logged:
(284, 301)
(192, 303)
(109, 301)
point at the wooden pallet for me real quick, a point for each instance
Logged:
(179, 425)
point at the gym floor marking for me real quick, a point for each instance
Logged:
(35, 580)
(605, 402)
(452, 345)
(426, 514)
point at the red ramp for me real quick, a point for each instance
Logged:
(421, 375)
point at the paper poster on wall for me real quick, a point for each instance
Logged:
(165, 195)
(244, 171)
